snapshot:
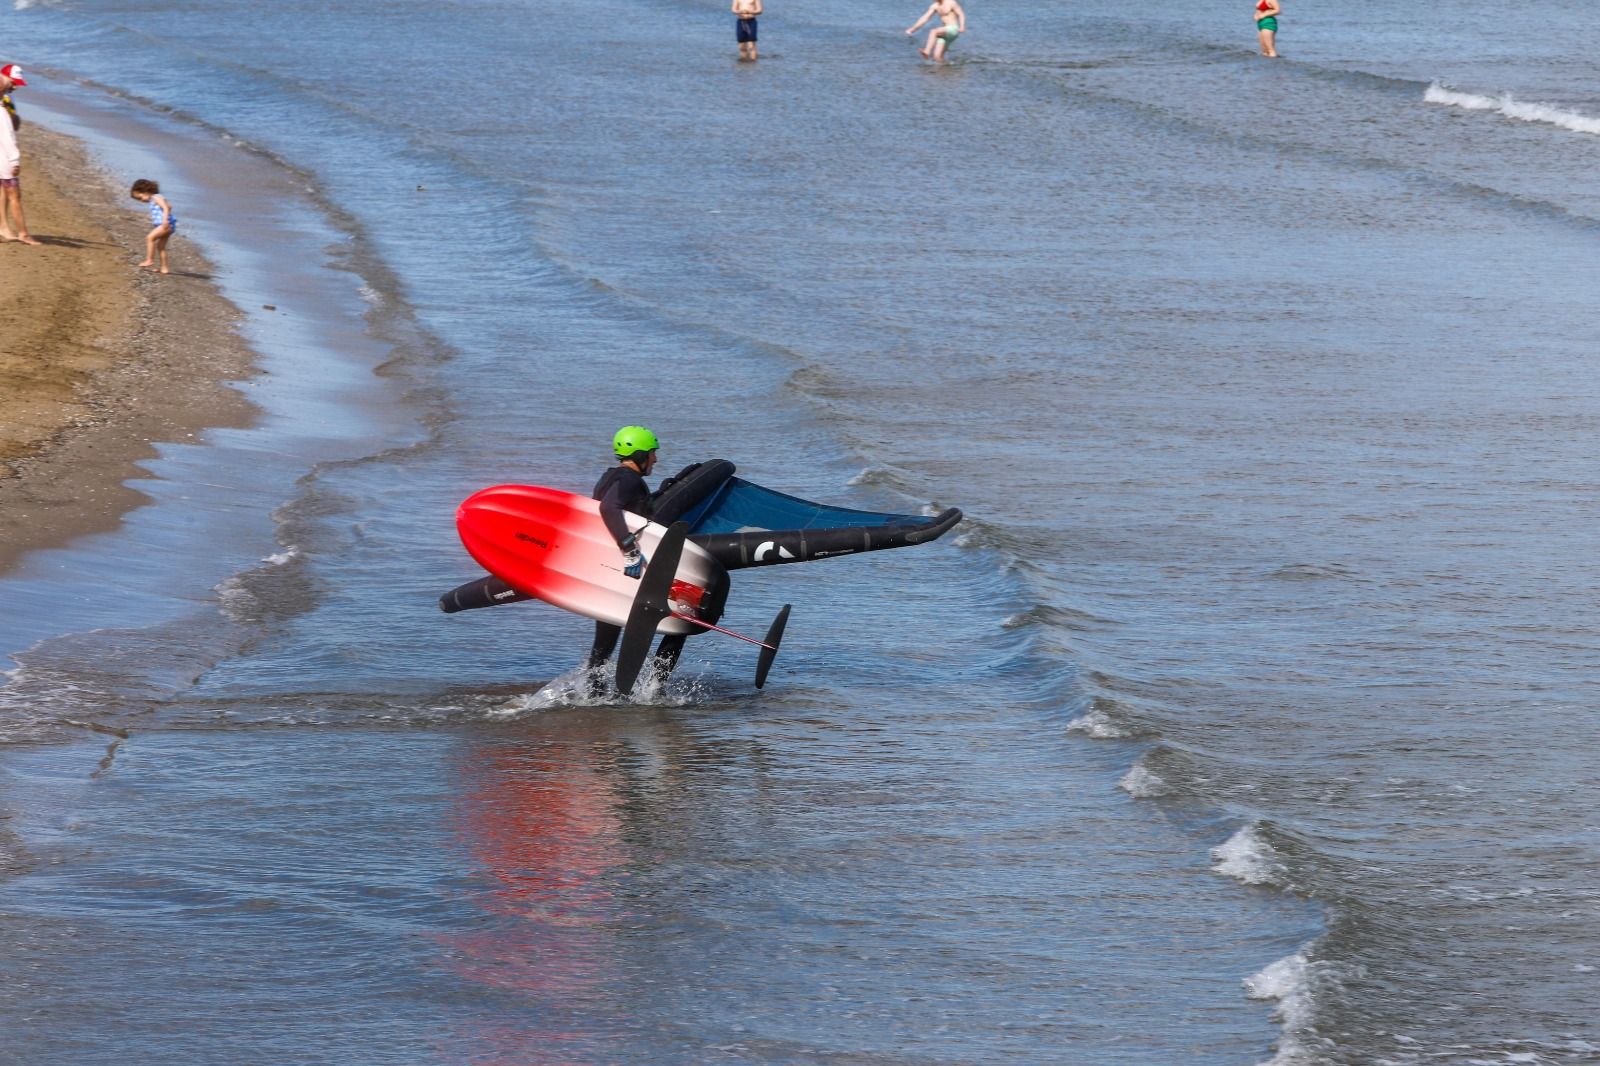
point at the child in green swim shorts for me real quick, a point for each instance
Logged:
(953, 23)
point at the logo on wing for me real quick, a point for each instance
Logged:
(767, 547)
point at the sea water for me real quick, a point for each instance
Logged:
(1249, 717)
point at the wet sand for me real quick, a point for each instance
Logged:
(100, 361)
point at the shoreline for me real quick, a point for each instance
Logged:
(103, 361)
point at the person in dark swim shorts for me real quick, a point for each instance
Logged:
(745, 12)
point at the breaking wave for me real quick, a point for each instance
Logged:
(1504, 104)
(1246, 856)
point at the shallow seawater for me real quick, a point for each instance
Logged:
(709, 881)
(1246, 718)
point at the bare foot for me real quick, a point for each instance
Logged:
(164, 270)
(923, 52)
(148, 263)
(28, 238)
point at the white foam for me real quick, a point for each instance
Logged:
(1246, 857)
(876, 474)
(1474, 894)
(1289, 981)
(237, 602)
(1142, 783)
(1505, 105)
(1097, 724)
(572, 689)
(568, 690)
(1284, 980)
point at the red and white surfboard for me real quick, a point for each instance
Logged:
(554, 545)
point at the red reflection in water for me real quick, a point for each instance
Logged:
(543, 823)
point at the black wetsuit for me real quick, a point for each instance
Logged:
(622, 488)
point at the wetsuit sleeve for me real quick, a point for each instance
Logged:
(625, 493)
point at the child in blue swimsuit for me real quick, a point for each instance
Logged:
(162, 218)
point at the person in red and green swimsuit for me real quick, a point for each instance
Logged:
(1267, 26)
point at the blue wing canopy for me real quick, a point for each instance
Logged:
(740, 506)
(744, 524)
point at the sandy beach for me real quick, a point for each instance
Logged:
(101, 361)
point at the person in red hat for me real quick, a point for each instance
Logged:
(11, 108)
(13, 227)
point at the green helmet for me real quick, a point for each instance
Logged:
(632, 439)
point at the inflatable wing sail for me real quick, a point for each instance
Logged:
(740, 523)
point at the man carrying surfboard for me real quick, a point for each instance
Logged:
(622, 490)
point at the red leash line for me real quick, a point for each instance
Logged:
(729, 632)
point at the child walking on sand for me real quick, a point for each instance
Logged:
(161, 217)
